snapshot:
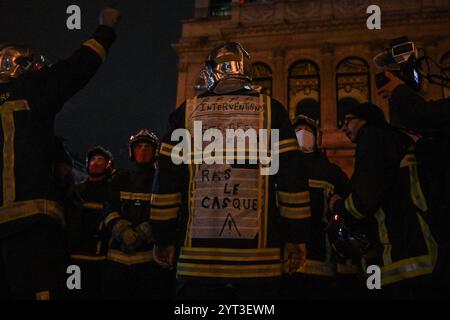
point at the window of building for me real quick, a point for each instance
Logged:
(352, 85)
(304, 90)
(220, 8)
(445, 62)
(262, 77)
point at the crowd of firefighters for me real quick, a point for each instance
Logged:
(142, 233)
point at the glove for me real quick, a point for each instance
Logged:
(294, 256)
(144, 231)
(124, 233)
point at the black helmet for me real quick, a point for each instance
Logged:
(143, 135)
(346, 241)
(99, 150)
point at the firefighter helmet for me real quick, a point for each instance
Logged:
(143, 135)
(346, 241)
(313, 124)
(228, 68)
(17, 59)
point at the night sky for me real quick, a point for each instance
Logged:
(135, 88)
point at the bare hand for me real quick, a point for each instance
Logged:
(388, 89)
(110, 17)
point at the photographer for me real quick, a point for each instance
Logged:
(386, 196)
(414, 111)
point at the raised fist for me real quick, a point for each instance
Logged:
(109, 17)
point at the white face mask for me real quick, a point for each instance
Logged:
(306, 141)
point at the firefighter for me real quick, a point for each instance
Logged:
(386, 193)
(31, 95)
(430, 119)
(131, 272)
(315, 279)
(85, 225)
(222, 216)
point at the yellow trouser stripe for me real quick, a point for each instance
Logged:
(295, 213)
(130, 259)
(24, 209)
(222, 254)
(406, 269)
(350, 207)
(96, 47)
(229, 271)
(163, 214)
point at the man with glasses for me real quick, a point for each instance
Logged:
(386, 197)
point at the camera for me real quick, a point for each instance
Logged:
(401, 59)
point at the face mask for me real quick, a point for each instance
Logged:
(306, 141)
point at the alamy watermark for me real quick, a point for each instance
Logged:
(235, 146)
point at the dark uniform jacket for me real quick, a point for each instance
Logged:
(130, 200)
(325, 180)
(86, 228)
(225, 216)
(386, 190)
(432, 120)
(28, 106)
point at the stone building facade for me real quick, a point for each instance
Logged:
(314, 56)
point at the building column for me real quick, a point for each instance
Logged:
(235, 12)
(279, 11)
(279, 77)
(328, 104)
(182, 82)
(202, 8)
(433, 91)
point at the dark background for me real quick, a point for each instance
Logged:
(135, 88)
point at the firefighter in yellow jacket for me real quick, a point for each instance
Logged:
(221, 214)
(31, 251)
(386, 194)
